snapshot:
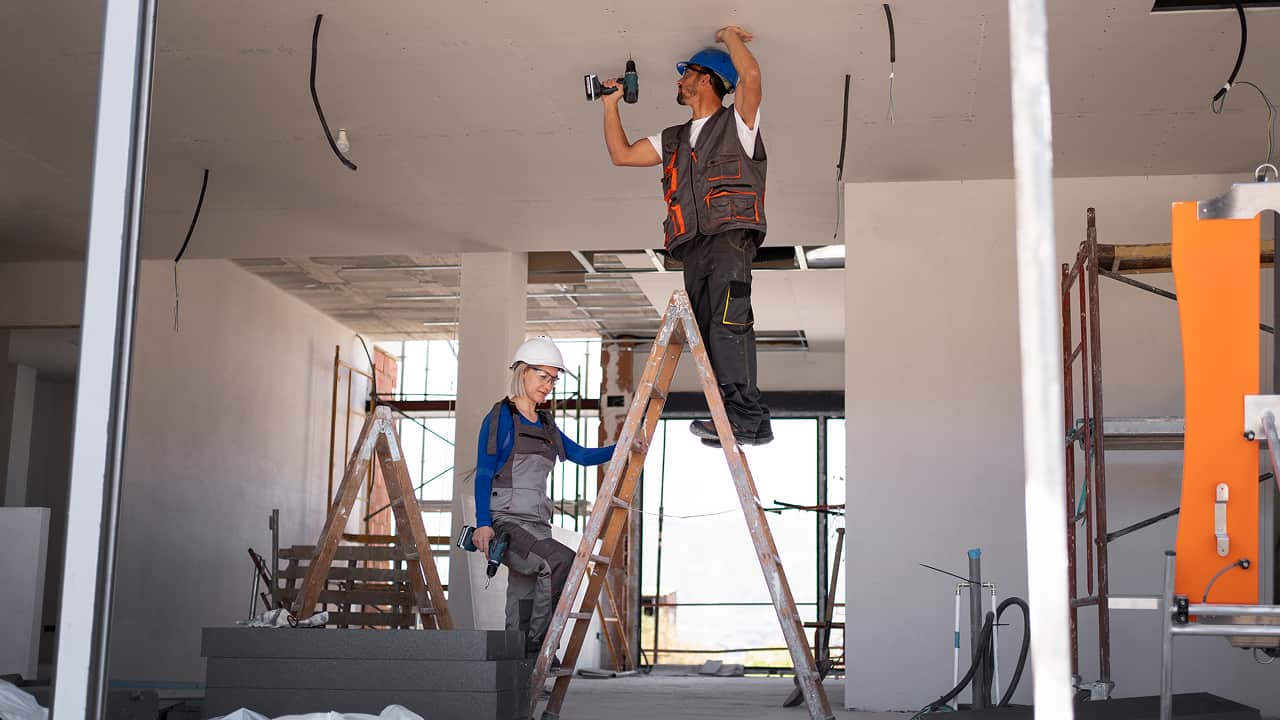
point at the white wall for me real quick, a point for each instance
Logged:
(228, 418)
(934, 459)
(778, 371)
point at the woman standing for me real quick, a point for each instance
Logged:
(518, 449)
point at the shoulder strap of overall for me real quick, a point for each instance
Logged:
(491, 447)
(549, 422)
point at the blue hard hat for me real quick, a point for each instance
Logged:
(717, 61)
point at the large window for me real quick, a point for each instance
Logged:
(699, 561)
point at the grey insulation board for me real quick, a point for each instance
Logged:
(326, 643)
(363, 674)
(433, 705)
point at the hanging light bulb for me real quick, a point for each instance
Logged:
(342, 141)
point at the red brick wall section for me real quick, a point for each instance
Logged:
(386, 370)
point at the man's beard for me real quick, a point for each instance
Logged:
(679, 97)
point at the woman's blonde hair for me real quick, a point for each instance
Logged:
(515, 388)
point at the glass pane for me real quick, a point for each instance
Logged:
(836, 496)
(707, 554)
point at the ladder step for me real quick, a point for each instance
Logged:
(560, 672)
(398, 502)
(580, 615)
(427, 611)
(619, 503)
(410, 554)
(600, 559)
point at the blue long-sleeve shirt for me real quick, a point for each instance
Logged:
(487, 465)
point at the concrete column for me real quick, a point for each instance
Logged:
(491, 324)
(17, 408)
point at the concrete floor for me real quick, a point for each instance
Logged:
(644, 697)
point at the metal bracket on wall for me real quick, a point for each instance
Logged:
(1223, 494)
(1242, 202)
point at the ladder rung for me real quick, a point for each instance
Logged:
(398, 502)
(619, 503)
(658, 394)
(600, 559)
(560, 672)
(580, 615)
(427, 611)
(410, 554)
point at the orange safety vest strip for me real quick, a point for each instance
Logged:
(1215, 269)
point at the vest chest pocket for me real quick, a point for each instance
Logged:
(725, 169)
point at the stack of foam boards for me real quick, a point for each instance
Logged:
(438, 674)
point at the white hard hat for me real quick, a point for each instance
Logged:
(539, 350)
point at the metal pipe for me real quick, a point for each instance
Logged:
(1068, 393)
(975, 628)
(1234, 610)
(1166, 640)
(657, 579)
(106, 344)
(995, 649)
(822, 528)
(1098, 498)
(955, 653)
(1227, 630)
(333, 422)
(1041, 378)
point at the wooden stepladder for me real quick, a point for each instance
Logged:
(613, 504)
(379, 437)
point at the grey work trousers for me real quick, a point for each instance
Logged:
(717, 276)
(537, 568)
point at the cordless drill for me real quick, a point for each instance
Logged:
(497, 548)
(630, 85)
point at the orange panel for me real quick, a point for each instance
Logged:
(1215, 268)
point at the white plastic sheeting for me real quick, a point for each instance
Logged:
(18, 704)
(390, 712)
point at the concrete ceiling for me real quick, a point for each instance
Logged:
(468, 123)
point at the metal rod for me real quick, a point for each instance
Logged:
(1227, 630)
(1166, 294)
(333, 421)
(1234, 611)
(1041, 381)
(1166, 640)
(821, 523)
(106, 344)
(657, 577)
(1068, 397)
(1098, 497)
(975, 627)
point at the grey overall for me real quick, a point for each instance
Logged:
(537, 565)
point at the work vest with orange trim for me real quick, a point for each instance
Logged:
(715, 186)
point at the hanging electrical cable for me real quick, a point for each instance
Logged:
(844, 137)
(1220, 97)
(893, 56)
(204, 185)
(315, 41)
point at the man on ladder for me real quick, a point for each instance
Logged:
(713, 182)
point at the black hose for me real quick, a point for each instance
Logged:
(986, 656)
(315, 40)
(1244, 42)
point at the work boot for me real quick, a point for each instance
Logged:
(764, 433)
(706, 430)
